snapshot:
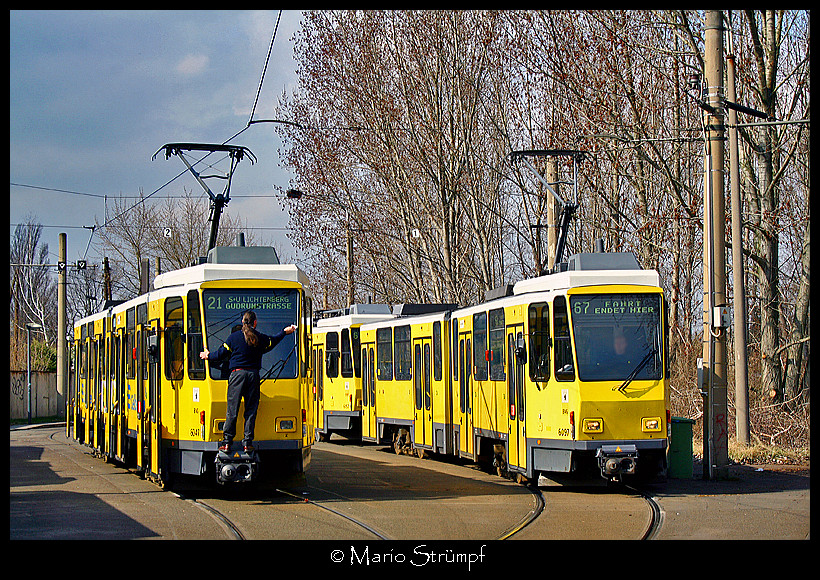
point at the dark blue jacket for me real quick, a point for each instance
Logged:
(244, 356)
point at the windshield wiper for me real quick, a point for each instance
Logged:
(281, 368)
(649, 356)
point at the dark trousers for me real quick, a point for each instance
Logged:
(242, 384)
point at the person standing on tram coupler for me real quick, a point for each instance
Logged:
(245, 348)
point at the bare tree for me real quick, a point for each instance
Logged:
(778, 80)
(403, 120)
(32, 290)
(173, 229)
(418, 181)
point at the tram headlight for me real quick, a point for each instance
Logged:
(593, 425)
(651, 424)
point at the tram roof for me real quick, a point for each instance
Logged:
(208, 272)
(347, 320)
(576, 278)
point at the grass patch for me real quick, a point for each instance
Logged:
(760, 453)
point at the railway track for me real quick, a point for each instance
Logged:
(338, 513)
(233, 529)
(530, 517)
(657, 515)
(234, 532)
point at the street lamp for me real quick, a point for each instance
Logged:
(29, 327)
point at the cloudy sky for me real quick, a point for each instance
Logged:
(93, 95)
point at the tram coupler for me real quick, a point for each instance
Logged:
(236, 466)
(617, 460)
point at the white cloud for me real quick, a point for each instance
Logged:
(192, 64)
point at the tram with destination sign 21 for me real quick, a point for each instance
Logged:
(140, 394)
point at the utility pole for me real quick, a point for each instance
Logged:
(158, 264)
(739, 301)
(106, 279)
(62, 362)
(349, 254)
(144, 284)
(716, 434)
(552, 231)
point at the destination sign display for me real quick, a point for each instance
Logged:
(615, 304)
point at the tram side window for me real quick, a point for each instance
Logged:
(539, 334)
(497, 344)
(437, 351)
(462, 384)
(82, 371)
(193, 338)
(401, 344)
(92, 371)
(320, 379)
(130, 325)
(313, 368)
(564, 367)
(102, 369)
(667, 367)
(384, 352)
(357, 355)
(480, 354)
(453, 357)
(332, 355)
(347, 355)
(142, 319)
(307, 331)
(174, 346)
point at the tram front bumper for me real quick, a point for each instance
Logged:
(617, 460)
(236, 467)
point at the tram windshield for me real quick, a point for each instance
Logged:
(275, 309)
(617, 336)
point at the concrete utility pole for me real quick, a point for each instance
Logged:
(739, 300)
(716, 434)
(62, 362)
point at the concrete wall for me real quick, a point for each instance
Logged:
(45, 402)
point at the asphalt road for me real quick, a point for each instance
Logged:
(353, 493)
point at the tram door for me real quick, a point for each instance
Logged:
(91, 389)
(319, 371)
(516, 359)
(122, 406)
(116, 426)
(111, 396)
(465, 411)
(368, 393)
(139, 374)
(123, 401)
(152, 354)
(422, 379)
(99, 390)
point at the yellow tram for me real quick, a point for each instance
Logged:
(141, 395)
(337, 377)
(405, 383)
(564, 373)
